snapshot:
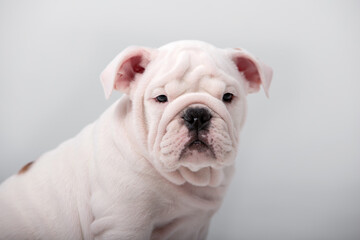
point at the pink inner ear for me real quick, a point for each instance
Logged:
(127, 72)
(249, 69)
(135, 64)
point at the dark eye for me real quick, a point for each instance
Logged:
(227, 97)
(161, 98)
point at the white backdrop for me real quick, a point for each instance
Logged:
(298, 170)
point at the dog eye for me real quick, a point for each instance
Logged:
(227, 97)
(161, 98)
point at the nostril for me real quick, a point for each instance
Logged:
(205, 117)
(197, 118)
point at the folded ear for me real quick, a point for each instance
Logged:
(125, 69)
(255, 72)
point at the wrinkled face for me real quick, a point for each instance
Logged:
(187, 100)
(193, 115)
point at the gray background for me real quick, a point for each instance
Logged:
(298, 170)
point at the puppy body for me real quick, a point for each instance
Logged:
(140, 171)
(68, 194)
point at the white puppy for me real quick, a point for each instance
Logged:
(156, 164)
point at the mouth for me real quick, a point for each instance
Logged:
(197, 145)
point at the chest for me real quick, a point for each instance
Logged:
(183, 223)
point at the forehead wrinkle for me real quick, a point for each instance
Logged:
(181, 65)
(202, 71)
(175, 88)
(202, 63)
(213, 86)
(189, 67)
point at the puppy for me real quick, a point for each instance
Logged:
(156, 164)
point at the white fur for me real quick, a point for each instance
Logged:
(129, 175)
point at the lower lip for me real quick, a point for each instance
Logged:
(197, 142)
(199, 146)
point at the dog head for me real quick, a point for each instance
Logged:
(188, 100)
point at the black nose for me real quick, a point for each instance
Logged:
(197, 118)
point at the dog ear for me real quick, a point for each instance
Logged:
(255, 72)
(126, 67)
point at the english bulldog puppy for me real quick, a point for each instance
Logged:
(156, 164)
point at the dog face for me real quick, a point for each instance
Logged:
(189, 99)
